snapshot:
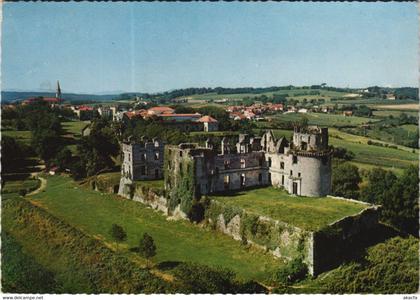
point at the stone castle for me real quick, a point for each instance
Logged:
(142, 160)
(301, 166)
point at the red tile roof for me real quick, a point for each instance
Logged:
(207, 119)
(85, 108)
(161, 109)
(181, 115)
(137, 113)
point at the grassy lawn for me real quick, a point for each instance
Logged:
(74, 127)
(17, 185)
(72, 133)
(23, 136)
(153, 184)
(110, 177)
(176, 240)
(304, 212)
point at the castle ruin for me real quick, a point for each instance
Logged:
(302, 166)
(143, 159)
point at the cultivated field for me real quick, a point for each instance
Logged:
(394, 113)
(410, 106)
(292, 94)
(321, 119)
(304, 212)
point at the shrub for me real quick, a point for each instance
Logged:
(21, 273)
(118, 233)
(294, 271)
(196, 213)
(389, 267)
(147, 247)
(198, 278)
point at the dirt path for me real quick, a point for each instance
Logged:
(41, 187)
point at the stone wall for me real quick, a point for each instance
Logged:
(276, 237)
(344, 239)
(321, 250)
(142, 194)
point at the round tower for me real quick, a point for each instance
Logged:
(309, 162)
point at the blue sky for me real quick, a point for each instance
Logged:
(152, 47)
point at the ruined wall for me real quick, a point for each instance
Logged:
(344, 239)
(143, 160)
(280, 239)
(321, 250)
(180, 182)
(151, 197)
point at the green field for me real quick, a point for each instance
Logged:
(74, 127)
(398, 135)
(94, 213)
(320, 119)
(324, 94)
(394, 113)
(371, 102)
(72, 133)
(23, 136)
(393, 159)
(304, 212)
(17, 185)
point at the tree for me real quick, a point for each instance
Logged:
(379, 182)
(342, 153)
(12, 153)
(63, 158)
(400, 205)
(388, 268)
(147, 247)
(118, 233)
(97, 149)
(46, 144)
(345, 181)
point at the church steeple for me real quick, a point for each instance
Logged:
(58, 91)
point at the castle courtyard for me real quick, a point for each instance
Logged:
(310, 213)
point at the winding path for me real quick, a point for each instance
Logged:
(41, 187)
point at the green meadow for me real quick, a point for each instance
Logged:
(95, 212)
(368, 155)
(23, 136)
(292, 94)
(74, 127)
(321, 119)
(309, 213)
